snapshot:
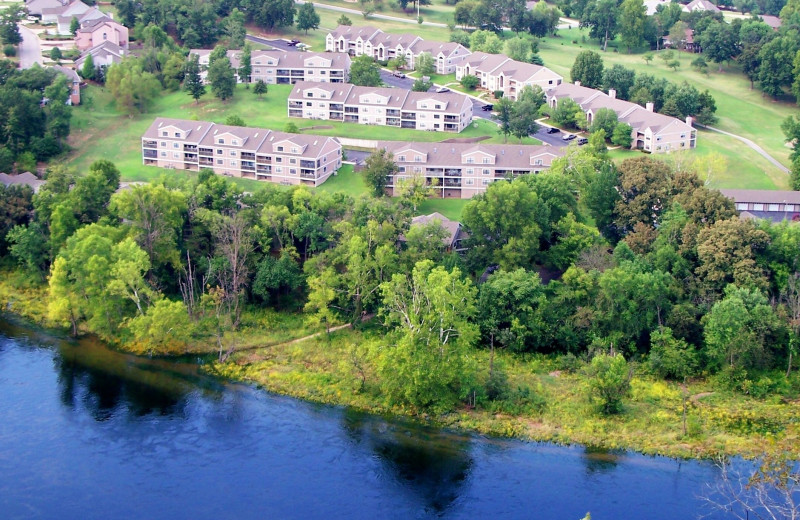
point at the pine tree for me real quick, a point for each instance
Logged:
(260, 89)
(245, 65)
(87, 71)
(192, 83)
(307, 17)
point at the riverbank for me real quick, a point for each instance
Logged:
(546, 398)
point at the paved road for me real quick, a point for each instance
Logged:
(29, 50)
(278, 44)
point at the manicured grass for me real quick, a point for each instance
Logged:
(346, 181)
(450, 208)
(740, 110)
(438, 11)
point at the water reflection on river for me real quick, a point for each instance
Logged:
(86, 432)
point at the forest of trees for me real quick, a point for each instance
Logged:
(639, 259)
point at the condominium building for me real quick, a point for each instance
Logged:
(651, 132)
(384, 46)
(254, 153)
(439, 112)
(283, 67)
(499, 72)
(462, 170)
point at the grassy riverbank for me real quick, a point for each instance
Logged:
(547, 398)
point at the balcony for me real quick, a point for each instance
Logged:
(248, 156)
(335, 116)
(336, 74)
(263, 159)
(295, 113)
(408, 124)
(336, 107)
(206, 161)
(206, 151)
(248, 166)
(450, 128)
(150, 154)
(190, 157)
(282, 72)
(261, 169)
(392, 121)
(452, 173)
(190, 148)
(350, 119)
(409, 115)
(452, 183)
(351, 110)
(308, 164)
(392, 113)
(452, 119)
(295, 104)
(149, 144)
(298, 73)
(307, 174)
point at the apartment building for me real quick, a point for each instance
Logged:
(773, 205)
(384, 46)
(462, 170)
(254, 153)
(651, 132)
(438, 112)
(499, 72)
(283, 67)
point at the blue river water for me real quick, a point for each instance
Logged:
(90, 433)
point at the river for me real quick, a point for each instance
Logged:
(87, 432)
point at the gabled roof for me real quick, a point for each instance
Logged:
(69, 73)
(772, 21)
(91, 25)
(507, 156)
(104, 49)
(350, 32)
(485, 62)
(763, 196)
(196, 129)
(452, 227)
(700, 5)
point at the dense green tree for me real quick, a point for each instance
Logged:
(602, 18)
(378, 168)
(645, 189)
(519, 49)
(87, 71)
(504, 111)
(588, 69)
(726, 254)
(425, 64)
(270, 14)
(622, 135)
(245, 65)
(235, 29)
(344, 20)
(632, 19)
(192, 82)
(568, 114)
(604, 119)
(365, 72)
(55, 54)
(307, 17)
(132, 88)
(470, 82)
(775, 70)
(670, 356)
(429, 365)
(609, 381)
(260, 88)
(9, 20)
(621, 79)
(222, 78)
(485, 41)
(719, 42)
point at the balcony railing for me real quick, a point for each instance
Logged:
(351, 110)
(336, 74)
(248, 166)
(150, 144)
(409, 115)
(205, 161)
(337, 116)
(248, 156)
(190, 148)
(308, 164)
(338, 107)
(408, 124)
(206, 151)
(452, 173)
(261, 159)
(263, 169)
(295, 104)
(350, 119)
(451, 183)
(391, 112)
(392, 121)
(451, 119)
(150, 154)
(295, 113)
(190, 157)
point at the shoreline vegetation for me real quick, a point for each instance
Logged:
(328, 368)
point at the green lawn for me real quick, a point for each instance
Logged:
(450, 208)
(346, 181)
(740, 110)
(438, 11)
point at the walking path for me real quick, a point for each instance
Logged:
(751, 144)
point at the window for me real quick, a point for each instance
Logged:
(537, 162)
(309, 94)
(470, 171)
(279, 169)
(293, 171)
(322, 72)
(219, 151)
(486, 171)
(292, 161)
(233, 153)
(773, 207)
(163, 143)
(176, 145)
(485, 160)
(417, 158)
(741, 206)
(163, 154)
(236, 142)
(279, 159)
(219, 162)
(424, 105)
(401, 158)
(233, 163)
(438, 107)
(164, 134)
(220, 141)
(176, 155)
(436, 116)
(470, 160)
(280, 148)
(401, 169)
(178, 135)
(309, 104)
(788, 207)
(294, 150)
(105, 36)
(470, 182)
(758, 207)
(322, 105)
(417, 169)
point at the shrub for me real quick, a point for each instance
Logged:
(609, 382)
(497, 94)
(470, 82)
(9, 50)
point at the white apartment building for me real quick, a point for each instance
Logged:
(284, 67)
(499, 72)
(438, 112)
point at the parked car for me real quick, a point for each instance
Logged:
(582, 141)
(442, 90)
(568, 137)
(553, 130)
(398, 74)
(295, 42)
(487, 108)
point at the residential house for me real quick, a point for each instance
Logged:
(103, 55)
(462, 170)
(446, 56)
(35, 7)
(772, 205)
(439, 112)
(95, 31)
(687, 43)
(700, 5)
(499, 72)
(283, 67)
(254, 153)
(652, 5)
(351, 39)
(74, 82)
(454, 232)
(23, 179)
(772, 21)
(651, 131)
(52, 13)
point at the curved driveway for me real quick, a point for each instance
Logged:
(29, 50)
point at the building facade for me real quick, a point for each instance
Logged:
(438, 112)
(254, 153)
(462, 170)
(384, 46)
(772, 205)
(283, 67)
(99, 30)
(651, 132)
(499, 72)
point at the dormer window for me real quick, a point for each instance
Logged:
(470, 160)
(309, 94)
(236, 142)
(164, 134)
(417, 158)
(537, 162)
(280, 148)
(485, 160)
(220, 141)
(294, 150)
(177, 134)
(401, 158)
(438, 107)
